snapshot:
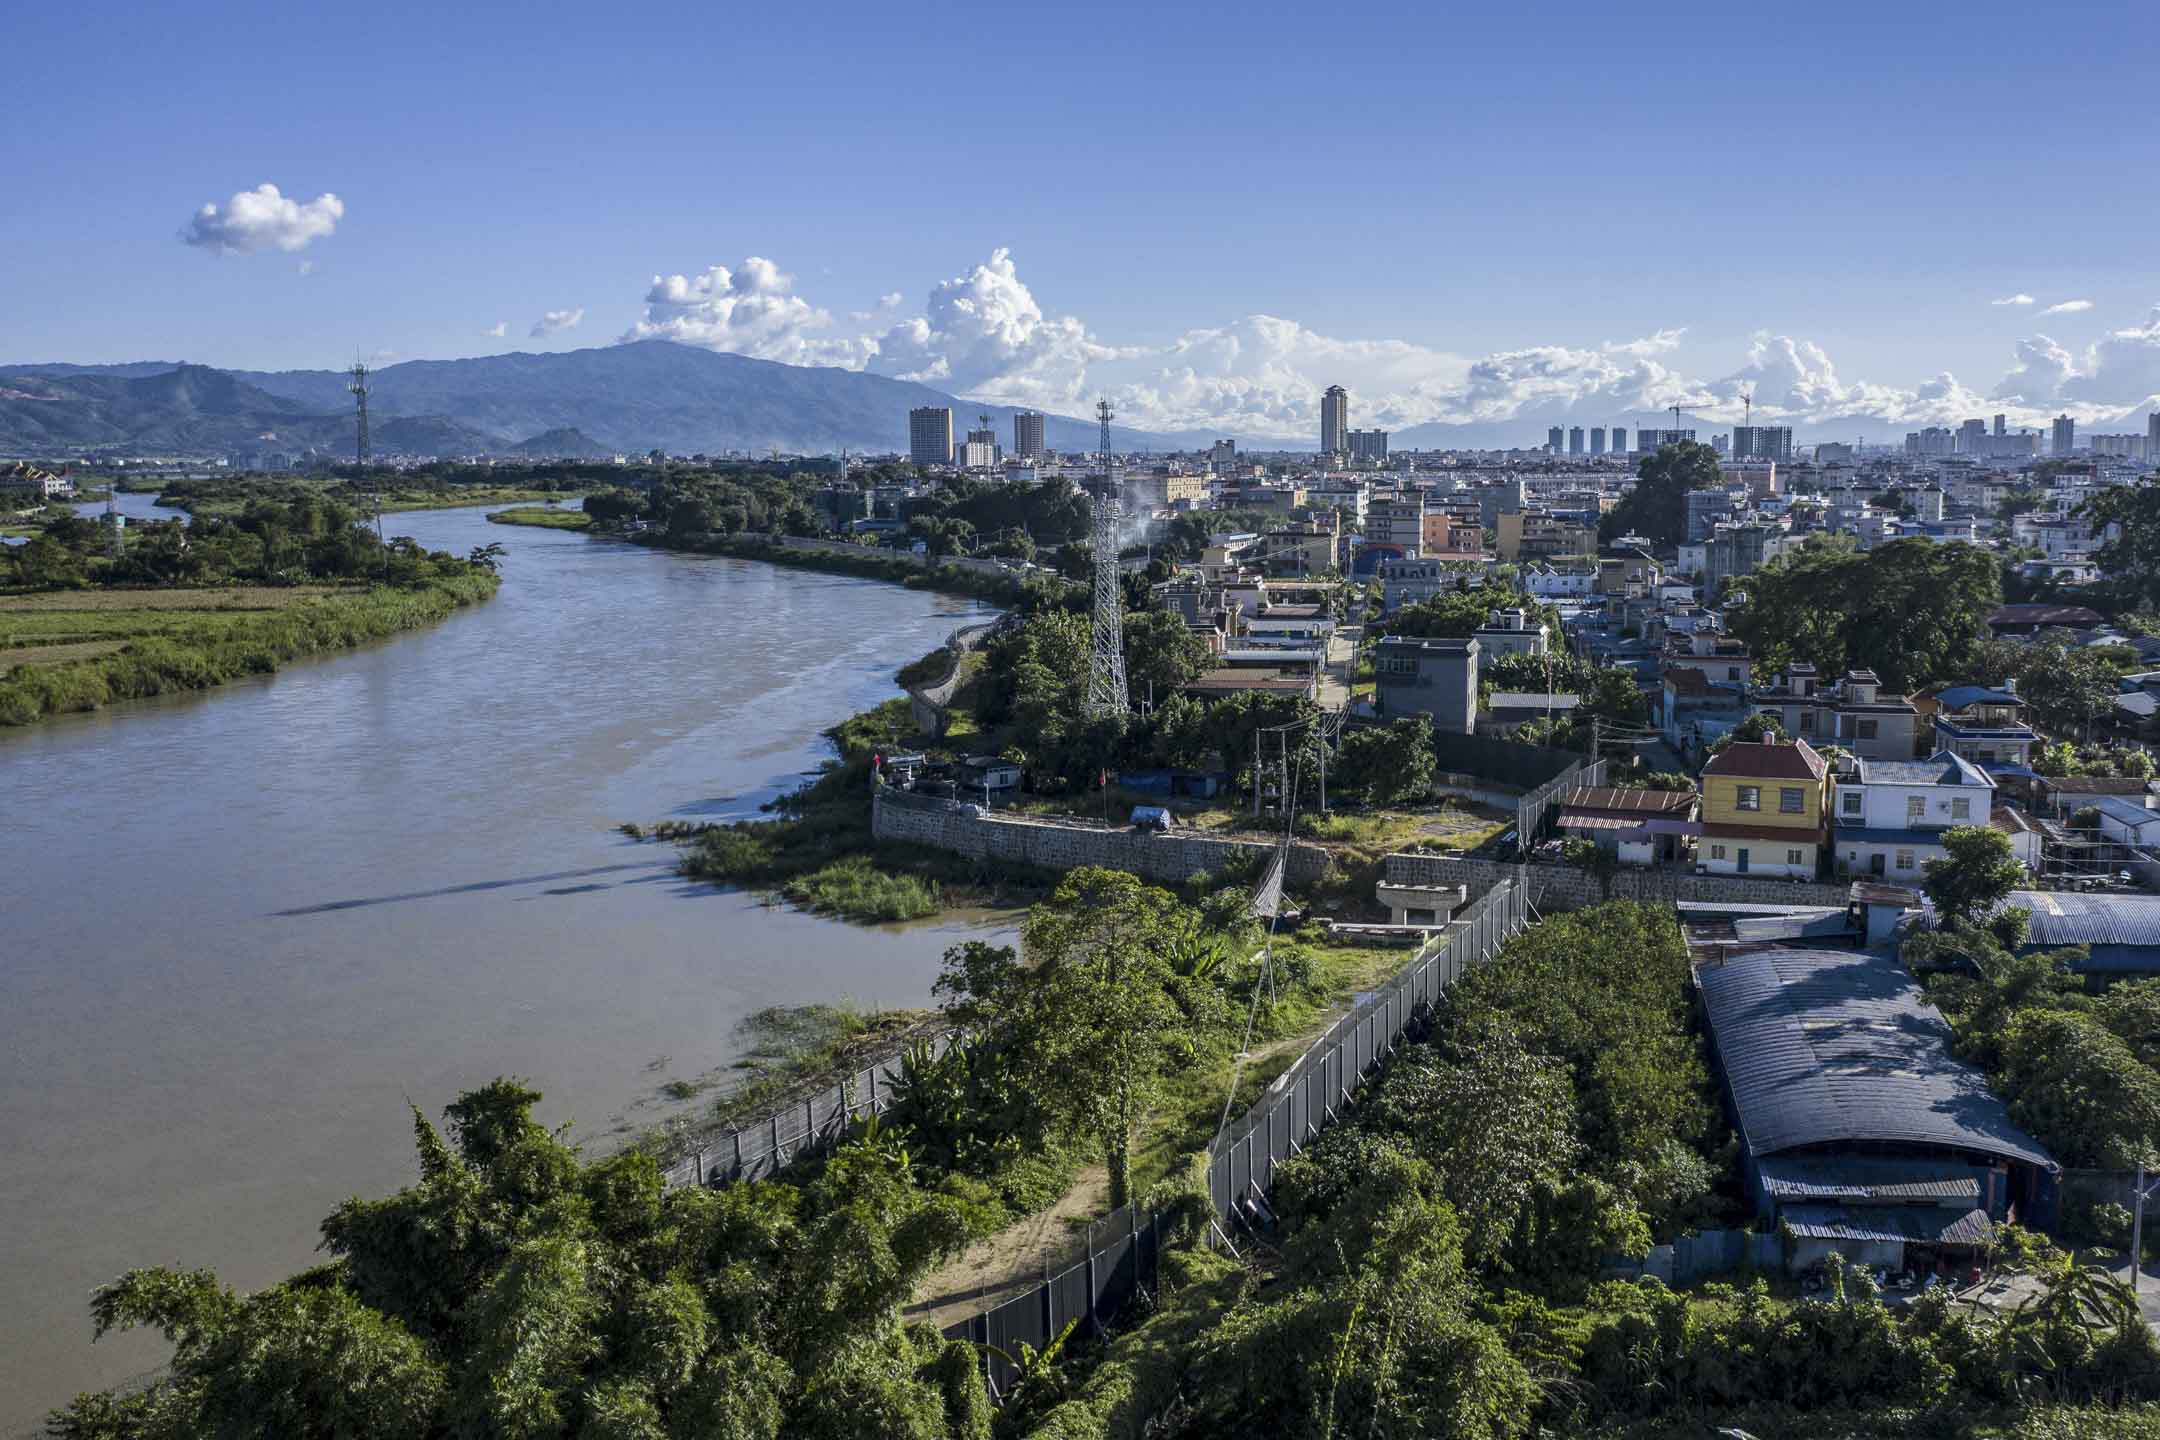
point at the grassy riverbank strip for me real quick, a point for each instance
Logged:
(76, 650)
(1004, 588)
(238, 495)
(818, 851)
(542, 517)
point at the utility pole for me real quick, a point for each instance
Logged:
(2139, 1194)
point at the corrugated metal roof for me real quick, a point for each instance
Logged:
(1597, 797)
(1926, 1225)
(1571, 821)
(1832, 1177)
(1941, 768)
(2062, 917)
(2123, 810)
(1823, 1047)
(1957, 697)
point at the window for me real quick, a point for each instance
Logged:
(1717, 852)
(1904, 859)
(1732, 672)
(1867, 729)
(1852, 802)
(1915, 807)
(1750, 797)
(1961, 809)
(1807, 722)
(1793, 857)
(1791, 800)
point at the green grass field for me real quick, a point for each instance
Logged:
(74, 650)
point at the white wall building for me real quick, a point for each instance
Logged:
(1890, 815)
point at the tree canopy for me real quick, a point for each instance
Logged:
(1656, 508)
(1911, 611)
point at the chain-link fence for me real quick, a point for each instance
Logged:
(1122, 1251)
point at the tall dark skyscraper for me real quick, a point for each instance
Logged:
(1554, 438)
(1335, 421)
(1028, 435)
(930, 435)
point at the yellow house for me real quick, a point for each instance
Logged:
(1765, 809)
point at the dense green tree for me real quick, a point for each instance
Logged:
(1162, 654)
(1911, 611)
(1456, 613)
(1388, 764)
(2129, 563)
(1978, 874)
(2068, 687)
(1656, 508)
(1109, 1028)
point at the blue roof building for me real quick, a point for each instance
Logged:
(2121, 932)
(1860, 1131)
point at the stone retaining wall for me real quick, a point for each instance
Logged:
(900, 818)
(1566, 887)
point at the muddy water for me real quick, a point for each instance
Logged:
(239, 929)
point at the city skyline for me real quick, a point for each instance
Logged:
(290, 225)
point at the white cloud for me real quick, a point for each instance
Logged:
(749, 310)
(499, 329)
(891, 301)
(2021, 298)
(557, 321)
(983, 335)
(263, 219)
(2069, 307)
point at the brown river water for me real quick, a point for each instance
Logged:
(240, 929)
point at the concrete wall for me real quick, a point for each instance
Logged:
(905, 819)
(1565, 887)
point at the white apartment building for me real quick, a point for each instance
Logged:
(1890, 815)
(1547, 582)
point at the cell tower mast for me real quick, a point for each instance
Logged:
(359, 388)
(1106, 663)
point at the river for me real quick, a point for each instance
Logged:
(242, 927)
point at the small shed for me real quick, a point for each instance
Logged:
(993, 773)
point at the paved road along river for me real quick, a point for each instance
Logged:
(239, 929)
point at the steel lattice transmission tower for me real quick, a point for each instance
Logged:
(1106, 665)
(359, 388)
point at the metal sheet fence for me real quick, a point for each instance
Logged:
(1120, 1253)
(1531, 810)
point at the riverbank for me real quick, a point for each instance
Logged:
(1002, 587)
(76, 650)
(542, 517)
(392, 502)
(818, 853)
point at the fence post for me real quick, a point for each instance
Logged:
(776, 1139)
(1094, 1321)
(738, 1153)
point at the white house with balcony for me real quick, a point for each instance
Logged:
(1890, 815)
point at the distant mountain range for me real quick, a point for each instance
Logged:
(637, 397)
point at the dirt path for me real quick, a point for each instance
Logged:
(993, 1270)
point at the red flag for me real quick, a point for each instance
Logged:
(1102, 780)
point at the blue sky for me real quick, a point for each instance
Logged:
(1403, 192)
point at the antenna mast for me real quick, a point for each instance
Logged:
(1106, 664)
(359, 388)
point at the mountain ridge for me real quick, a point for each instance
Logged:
(631, 397)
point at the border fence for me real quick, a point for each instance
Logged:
(1123, 1250)
(761, 1150)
